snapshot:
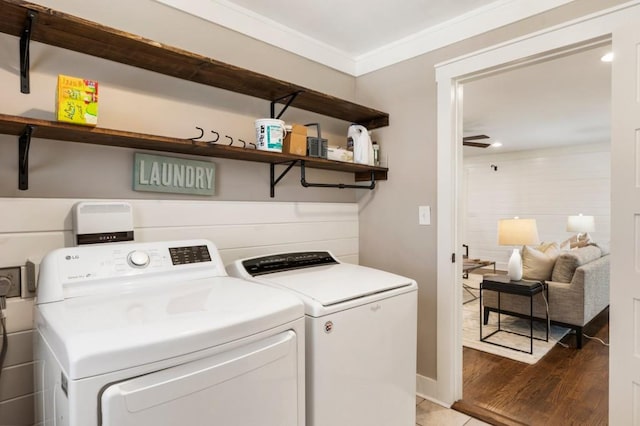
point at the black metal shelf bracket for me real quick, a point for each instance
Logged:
(275, 181)
(25, 41)
(291, 97)
(24, 142)
(306, 184)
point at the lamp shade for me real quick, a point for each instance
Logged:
(580, 223)
(517, 232)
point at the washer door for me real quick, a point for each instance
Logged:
(252, 385)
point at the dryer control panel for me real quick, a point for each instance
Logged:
(77, 271)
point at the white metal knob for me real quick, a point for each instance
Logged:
(138, 259)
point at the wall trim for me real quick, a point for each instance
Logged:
(584, 30)
(477, 21)
(426, 387)
(470, 24)
(247, 22)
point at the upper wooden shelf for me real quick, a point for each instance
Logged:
(69, 32)
(14, 125)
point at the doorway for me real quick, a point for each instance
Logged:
(574, 35)
(552, 118)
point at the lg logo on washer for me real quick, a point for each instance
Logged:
(328, 327)
(73, 257)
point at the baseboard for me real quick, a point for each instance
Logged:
(427, 388)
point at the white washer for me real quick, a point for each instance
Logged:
(360, 336)
(157, 334)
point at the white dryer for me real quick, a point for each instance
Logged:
(157, 334)
(360, 336)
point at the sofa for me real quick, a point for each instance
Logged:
(578, 283)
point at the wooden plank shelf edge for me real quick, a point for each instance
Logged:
(44, 129)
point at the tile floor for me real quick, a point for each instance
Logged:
(429, 413)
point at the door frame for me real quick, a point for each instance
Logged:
(450, 75)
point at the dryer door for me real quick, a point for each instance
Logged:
(252, 385)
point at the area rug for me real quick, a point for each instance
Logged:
(471, 331)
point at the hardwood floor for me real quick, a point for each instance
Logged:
(566, 387)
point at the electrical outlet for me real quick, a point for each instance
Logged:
(13, 274)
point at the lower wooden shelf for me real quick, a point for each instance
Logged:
(15, 125)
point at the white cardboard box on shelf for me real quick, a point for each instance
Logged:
(339, 154)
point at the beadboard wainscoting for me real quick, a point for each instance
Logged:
(32, 227)
(547, 185)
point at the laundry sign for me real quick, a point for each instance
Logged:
(158, 173)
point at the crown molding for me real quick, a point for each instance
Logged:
(475, 22)
(254, 25)
(478, 21)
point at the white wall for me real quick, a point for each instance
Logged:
(547, 185)
(31, 227)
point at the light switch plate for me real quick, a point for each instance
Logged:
(424, 215)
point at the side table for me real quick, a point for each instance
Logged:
(526, 288)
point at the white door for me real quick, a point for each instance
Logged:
(256, 384)
(624, 389)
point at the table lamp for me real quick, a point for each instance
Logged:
(517, 232)
(580, 224)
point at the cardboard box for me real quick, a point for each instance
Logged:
(77, 100)
(296, 140)
(339, 154)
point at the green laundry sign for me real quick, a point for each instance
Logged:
(158, 173)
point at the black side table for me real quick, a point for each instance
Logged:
(503, 284)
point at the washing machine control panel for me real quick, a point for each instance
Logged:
(79, 267)
(190, 254)
(287, 261)
(111, 262)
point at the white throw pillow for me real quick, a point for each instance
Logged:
(538, 262)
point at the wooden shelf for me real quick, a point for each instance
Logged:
(59, 29)
(13, 125)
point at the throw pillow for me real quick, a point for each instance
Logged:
(568, 262)
(538, 262)
(551, 249)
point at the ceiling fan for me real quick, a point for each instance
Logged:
(470, 141)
